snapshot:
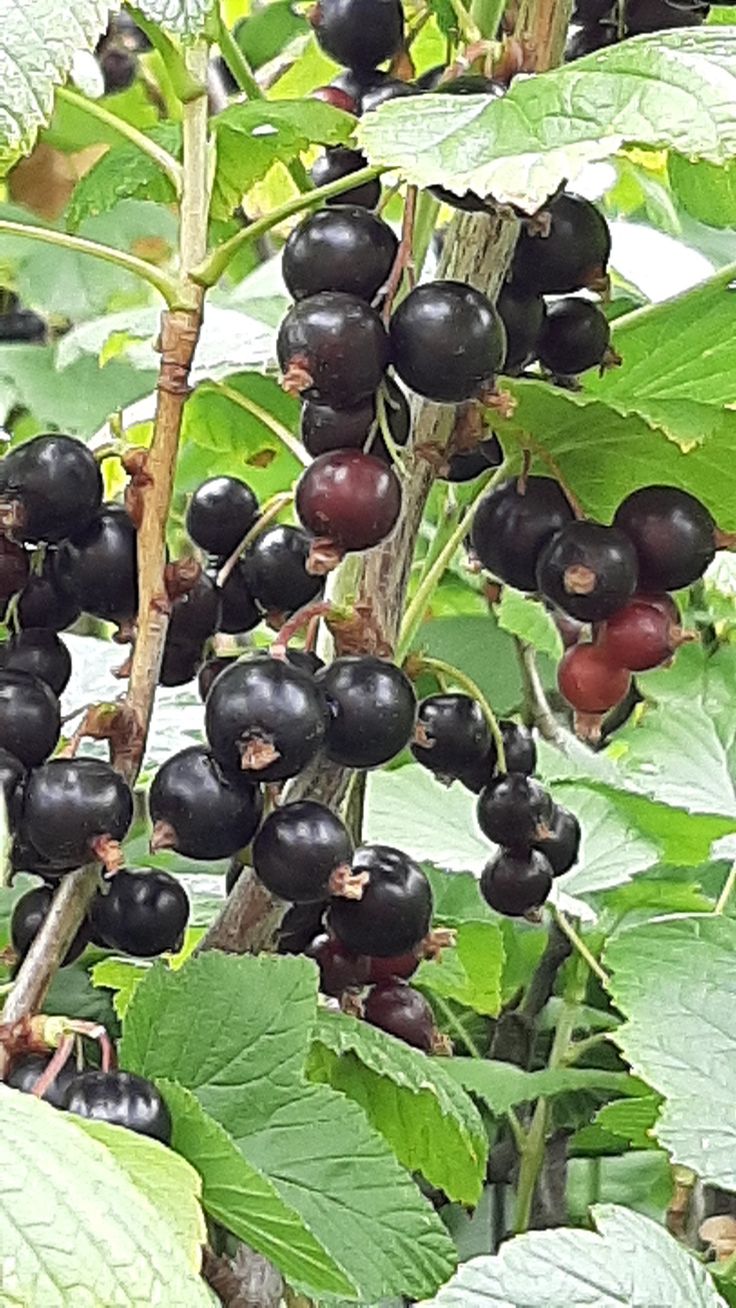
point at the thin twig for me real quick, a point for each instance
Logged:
(255, 410)
(271, 510)
(403, 261)
(579, 944)
(542, 715)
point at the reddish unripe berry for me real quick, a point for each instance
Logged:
(388, 969)
(350, 497)
(339, 970)
(590, 682)
(402, 1012)
(641, 636)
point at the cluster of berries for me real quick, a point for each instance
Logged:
(599, 23)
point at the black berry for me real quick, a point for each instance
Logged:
(341, 162)
(359, 33)
(12, 782)
(300, 851)
(98, 570)
(221, 512)
(520, 754)
(195, 616)
(466, 465)
(390, 89)
(71, 803)
(201, 811)
(342, 248)
(394, 1007)
(395, 911)
(41, 653)
(372, 710)
(657, 15)
(239, 611)
(562, 845)
(50, 488)
(575, 336)
(589, 570)
(452, 735)
(514, 811)
(516, 884)
(181, 662)
(349, 498)
(673, 534)
(573, 254)
(275, 571)
(14, 568)
(448, 341)
(523, 317)
(300, 925)
(122, 1099)
(30, 717)
(513, 523)
(29, 914)
(332, 348)
(324, 429)
(141, 913)
(44, 602)
(265, 717)
(26, 1071)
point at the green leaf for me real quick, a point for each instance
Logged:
(479, 647)
(79, 399)
(124, 173)
(471, 972)
(446, 833)
(675, 982)
(264, 33)
(502, 1085)
(632, 1119)
(456, 898)
(123, 977)
(529, 620)
(408, 1098)
(253, 136)
(612, 850)
(706, 191)
(679, 744)
(675, 89)
(628, 1260)
(74, 1227)
(185, 17)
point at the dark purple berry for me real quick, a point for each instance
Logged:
(332, 348)
(221, 512)
(673, 534)
(452, 735)
(523, 317)
(339, 970)
(99, 569)
(27, 1070)
(122, 1099)
(50, 488)
(341, 162)
(41, 653)
(300, 850)
(266, 718)
(349, 498)
(562, 846)
(395, 912)
(195, 616)
(14, 568)
(575, 336)
(514, 811)
(589, 570)
(513, 523)
(573, 254)
(643, 16)
(71, 803)
(30, 717)
(324, 429)
(359, 33)
(141, 913)
(201, 811)
(341, 248)
(29, 914)
(239, 611)
(448, 341)
(467, 465)
(391, 89)
(43, 601)
(516, 884)
(181, 662)
(520, 753)
(394, 1007)
(274, 569)
(12, 782)
(372, 711)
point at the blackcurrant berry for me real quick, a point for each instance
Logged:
(14, 568)
(523, 317)
(516, 884)
(332, 348)
(390, 89)
(141, 913)
(24, 326)
(470, 84)
(341, 162)
(221, 512)
(562, 845)
(12, 782)
(452, 735)
(300, 926)
(395, 912)
(448, 341)
(50, 488)
(520, 753)
(306, 660)
(30, 717)
(181, 662)
(212, 669)
(343, 248)
(351, 499)
(70, 803)
(586, 40)
(657, 15)
(339, 970)
(275, 571)
(302, 851)
(641, 636)
(513, 523)
(387, 969)
(394, 1007)
(119, 69)
(589, 681)
(24, 858)
(324, 429)
(41, 653)
(201, 811)
(589, 570)
(359, 33)
(266, 718)
(575, 336)
(573, 254)
(122, 1099)
(239, 611)
(514, 811)
(673, 534)
(466, 465)
(26, 1071)
(588, 12)
(29, 914)
(43, 601)
(98, 570)
(195, 616)
(372, 710)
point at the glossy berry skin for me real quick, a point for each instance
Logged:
(265, 710)
(40, 653)
(122, 1099)
(300, 926)
(516, 884)
(372, 710)
(359, 33)
(324, 429)
(520, 753)
(14, 568)
(211, 670)
(195, 616)
(452, 737)
(468, 465)
(339, 970)
(589, 570)
(274, 570)
(26, 1070)
(511, 528)
(513, 809)
(221, 512)
(339, 99)
(388, 969)
(586, 40)
(55, 484)
(180, 663)
(523, 317)
(238, 610)
(201, 811)
(589, 681)
(391, 89)
(342, 248)
(341, 162)
(29, 914)
(562, 846)
(573, 255)
(141, 913)
(30, 717)
(640, 637)
(575, 336)
(297, 850)
(43, 602)
(12, 782)
(98, 569)
(673, 534)
(350, 498)
(447, 340)
(657, 15)
(394, 1007)
(395, 912)
(70, 802)
(336, 345)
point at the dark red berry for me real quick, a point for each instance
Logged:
(394, 1007)
(395, 912)
(573, 254)
(466, 465)
(30, 717)
(14, 568)
(452, 735)
(29, 914)
(239, 612)
(41, 653)
(201, 811)
(641, 636)
(516, 884)
(658, 15)
(575, 336)
(514, 811)
(341, 162)
(122, 1099)
(99, 569)
(562, 845)
(43, 601)
(141, 913)
(301, 852)
(372, 710)
(342, 248)
(359, 33)
(673, 534)
(448, 341)
(589, 570)
(265, 717)
(334, 96)
(350, 498)
(589, 681)
(274, 569)
(332, 348)
(50, 488)
(387, 969)
(221, 512)
(72, 802)
(523, 317)
(339, 970)
(513, 523)
(324, 429)
(27, 1070)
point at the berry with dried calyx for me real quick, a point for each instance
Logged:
(394, 914)
(265, 718)
(516, 884)
(568, 250)
(333, 348)
(50, 489)
(141, 913)
(274, 569)
(513, 523)
(339, 970)
(372, 710)
(221, 512)
(351, 500)
(514, 811)
(589, 570)
(589, 681)
(302, 853)
(674, 535)
(201, 811)
(74, 808)
(452, 735)
(561, 845)
(341, 248)
(643, 636)
(575, 336)
(520, 754)
(448, 341)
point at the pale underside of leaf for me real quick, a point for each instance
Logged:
(185, 17)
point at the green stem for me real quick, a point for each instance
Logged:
(466, 27)
(416, 609)
(579, 944)
(456, 1025)
(580, 1048)
(163, 282)
(211, 269)
(255, 410)
(727, 891)
(466, 683)
(165, 161)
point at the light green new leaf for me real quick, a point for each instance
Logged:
(471, 972)
(675, 981)
(502, 1085)
(705, 191)
(409, 1098)
(185, 17)
(629, 1260)
(124, 173)
(530, 621)
(122, 976)
(74, 1227)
